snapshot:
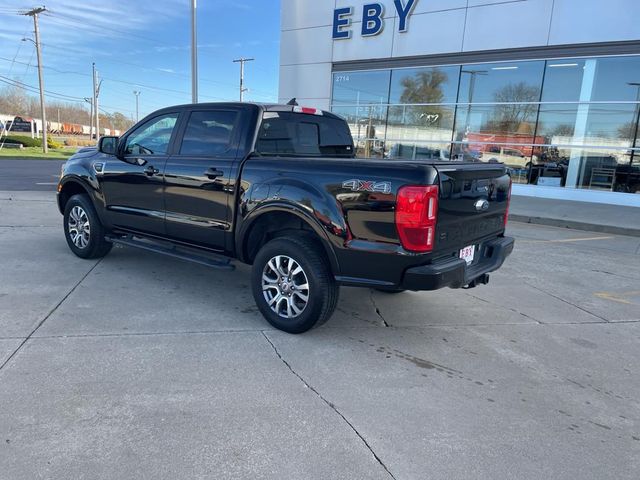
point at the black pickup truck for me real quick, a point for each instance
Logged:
(279, 187)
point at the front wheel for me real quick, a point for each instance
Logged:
(83, 230)
(292, 285)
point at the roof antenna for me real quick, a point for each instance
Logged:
(293, 102)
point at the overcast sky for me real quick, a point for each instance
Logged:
(144, 45)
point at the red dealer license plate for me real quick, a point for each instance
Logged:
(467, 254)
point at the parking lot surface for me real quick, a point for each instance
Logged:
(140, 366)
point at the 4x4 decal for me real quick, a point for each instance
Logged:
(357, 185)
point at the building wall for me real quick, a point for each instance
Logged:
(307, 51)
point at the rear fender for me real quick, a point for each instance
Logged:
(284, 206)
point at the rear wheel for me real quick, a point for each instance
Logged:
(292, 285)
(83, 230)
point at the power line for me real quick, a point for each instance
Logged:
(48, 92)
(134, 84)
(158, 69)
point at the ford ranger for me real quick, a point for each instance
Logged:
(279, 187)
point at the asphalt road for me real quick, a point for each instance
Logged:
(31, 175)
(139, 366)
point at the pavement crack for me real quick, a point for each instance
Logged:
(73, 289)
(614, 274)
(511, 309)
(331, 405)
(568, 302)
(378, 312)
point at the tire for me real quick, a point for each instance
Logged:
(283, 304)
(390, 290)
(89, 242)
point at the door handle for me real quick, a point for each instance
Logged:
(213, 173)
(151, 171)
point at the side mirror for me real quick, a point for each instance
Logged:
(108, 145)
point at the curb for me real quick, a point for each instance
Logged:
(574, 225)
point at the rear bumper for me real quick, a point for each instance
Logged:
(455, 273)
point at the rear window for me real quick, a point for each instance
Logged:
(287, 133)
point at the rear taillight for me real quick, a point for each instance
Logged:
(416, 217)
(506, 212)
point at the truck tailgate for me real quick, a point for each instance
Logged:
(472, 205)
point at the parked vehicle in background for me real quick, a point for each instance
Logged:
(509, 156)
(278, 187)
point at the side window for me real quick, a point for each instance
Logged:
(209, 132)
(153, 137)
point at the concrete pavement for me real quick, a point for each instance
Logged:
(593, 217)
(139, 366)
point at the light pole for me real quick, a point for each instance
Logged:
(96, 94)
(472, 86)
(194, 53)
(242, 61)
(137, 94)
(34, 13)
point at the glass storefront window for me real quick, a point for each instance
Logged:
(561, 122)
(615, 79)
(420, 122)
(588, 124)
(498, 124)
(592, 168)
(361, 88)
(563, 80)
(501, 82)
(424, 85)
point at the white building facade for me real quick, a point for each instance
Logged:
(549, 87)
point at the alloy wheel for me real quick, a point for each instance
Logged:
(78, 226)
(285, 286)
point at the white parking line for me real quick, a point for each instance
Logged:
(47, 183)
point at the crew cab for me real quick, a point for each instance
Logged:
(278, 187)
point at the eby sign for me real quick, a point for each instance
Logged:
(372, 19)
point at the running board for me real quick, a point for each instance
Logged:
(219, 262)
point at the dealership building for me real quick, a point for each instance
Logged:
(551, 88)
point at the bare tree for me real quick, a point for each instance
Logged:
(424, 87)
(515, 109)
(15, 101)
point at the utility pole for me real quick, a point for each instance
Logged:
(93, 102)
(34, 13)
(242, 61)
(137, 94)
(194, 54)
(96, 94)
